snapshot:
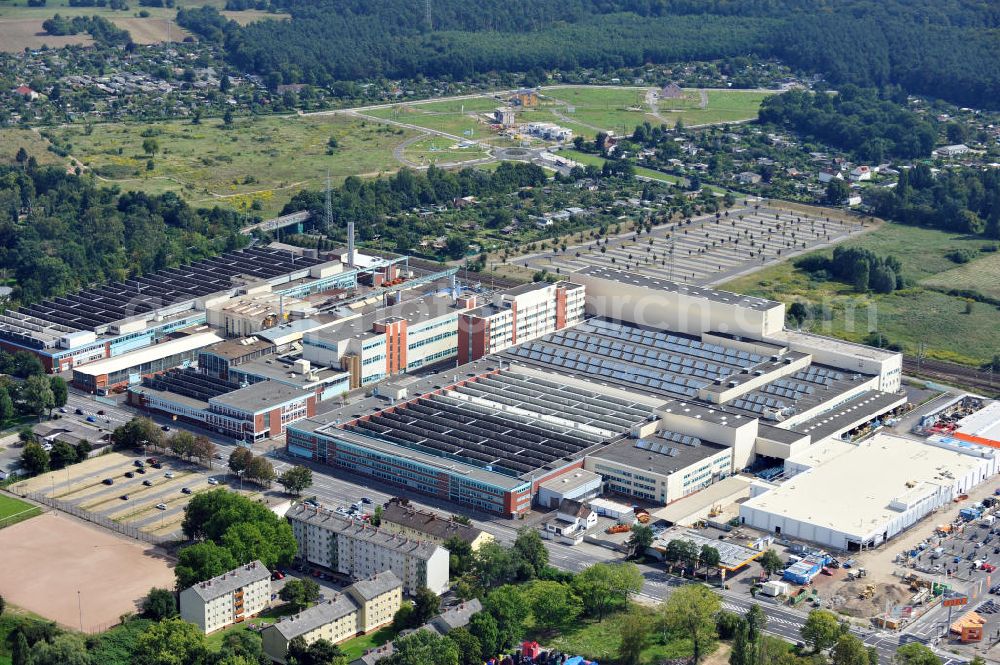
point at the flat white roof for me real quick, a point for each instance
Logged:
(725, 491)
(850, 492)
(148, 354)
(984, 423)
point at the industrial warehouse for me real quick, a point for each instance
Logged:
(657, 412)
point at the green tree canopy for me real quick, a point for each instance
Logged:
(691, 610)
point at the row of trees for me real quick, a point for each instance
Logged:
(145, 434)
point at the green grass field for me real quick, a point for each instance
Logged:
(585, 110)
(601, 640)
(439, 149)
(356, 647)
(263, 159)
(982, 275)
(621, 109)
(907, 317)
(463, 125)
(14, 510)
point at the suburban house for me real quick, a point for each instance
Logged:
(573, 519)
(861, 173)
(826, 175)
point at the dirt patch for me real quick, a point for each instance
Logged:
(849, 600)
(19, 34)
(49, 558)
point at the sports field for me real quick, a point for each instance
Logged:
(14, 510)
(76, 574)
(264, 160)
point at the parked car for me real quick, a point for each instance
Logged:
(124, 497)
(141, 470)
(138, 462)
(213, 481)
(147, 483)
(108, 481)
(185, 490)
(277, 575)
(78, 411)
(166, 428)
(989, 567)
(91, 419)
(161, 506)
(129, 474)
(151, 460)
(168, 474)
(100, 412)
(157, 465)
(62, 410)
(366, 499)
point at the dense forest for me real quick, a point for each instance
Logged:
(965, 200)
(855, 120)
(59, 232)
(944, 48)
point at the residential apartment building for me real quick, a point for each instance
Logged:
(363, 607)
(519, 315)
(227, 599)
(400, 518)
(355, 548)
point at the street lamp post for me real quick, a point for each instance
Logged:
(240, 474)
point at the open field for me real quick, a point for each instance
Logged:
(264, 159)
(906, 317)
(601, 640)
(12, 138)
(14, 510)
(111, 574)
(441, 149)
(250, 15)
(469, 124)
(981, 275)
(19, 34)
(21, 26)
(621, 109)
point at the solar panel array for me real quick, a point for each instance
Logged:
(191, 383)
(105, 304)
(507, 422)
(657, 361)
(793, 390)
(677, 437)
(759, 404)
(656, 447)
(818, 375)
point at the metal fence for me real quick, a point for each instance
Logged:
(118, 527)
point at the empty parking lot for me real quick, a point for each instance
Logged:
(706, 250)
(150, 499)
